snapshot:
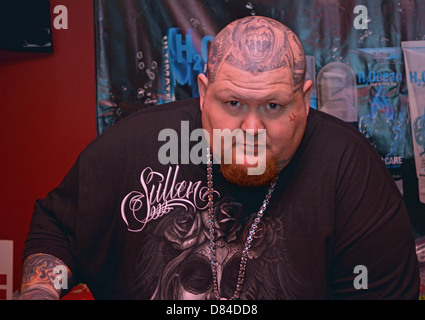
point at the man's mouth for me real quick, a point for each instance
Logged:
(251, 149)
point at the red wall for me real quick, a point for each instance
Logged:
(48, 115)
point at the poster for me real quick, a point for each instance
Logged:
(150, 52)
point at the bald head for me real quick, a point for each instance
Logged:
(257, 44)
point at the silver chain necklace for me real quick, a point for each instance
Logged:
(248, 241)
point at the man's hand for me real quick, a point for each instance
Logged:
(40, 278)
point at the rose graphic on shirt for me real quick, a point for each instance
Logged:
(176, 259)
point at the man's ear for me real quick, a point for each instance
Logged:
(308, 87)
(202, 87)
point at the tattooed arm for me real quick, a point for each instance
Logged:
(43, 278)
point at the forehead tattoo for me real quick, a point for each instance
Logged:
(257, 44)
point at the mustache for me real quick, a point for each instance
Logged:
(239, 175)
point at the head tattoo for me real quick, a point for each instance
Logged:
(258, 44)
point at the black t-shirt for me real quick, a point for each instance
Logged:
(133, 228)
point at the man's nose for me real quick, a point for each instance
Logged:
(252, 121)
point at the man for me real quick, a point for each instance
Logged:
(323, 220)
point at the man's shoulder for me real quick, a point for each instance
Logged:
(321, 124)
(144, 125)
(156, 118)
(161, 115)
(332, 137)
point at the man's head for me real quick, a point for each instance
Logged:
(255, 83)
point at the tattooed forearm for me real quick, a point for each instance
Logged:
(258, 44)
(40, 277)
(38, 293)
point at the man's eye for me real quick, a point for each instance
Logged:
(233, 103)
(272, 106)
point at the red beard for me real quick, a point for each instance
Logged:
(238, 174)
